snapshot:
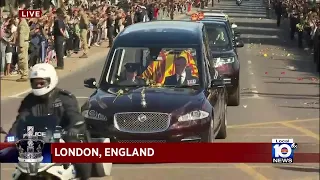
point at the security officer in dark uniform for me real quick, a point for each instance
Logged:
(47, 99)
(278, 10)
(131, 76)
(293, 23)
(300, 31)
(110, 28)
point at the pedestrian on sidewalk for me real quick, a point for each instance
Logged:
(23, 46)
(59, 33)
(128, 20)
(3, 43)
(84, 25)
(111, 28)
(278, 10)
(293, 23)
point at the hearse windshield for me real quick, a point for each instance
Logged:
(218, 37)
(167, 67)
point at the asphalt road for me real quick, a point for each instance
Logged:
(276, 102)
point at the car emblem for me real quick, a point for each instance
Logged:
(142, 118)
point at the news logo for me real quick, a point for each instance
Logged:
(30, 13)
(283, 150)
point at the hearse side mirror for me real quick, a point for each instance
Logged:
(221, 82)
(239, 43)
(237, 33)
(90, 83)
(234, 26)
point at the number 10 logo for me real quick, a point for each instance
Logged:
(282, 151)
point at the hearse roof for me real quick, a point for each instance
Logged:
(160, 33)
(207, 21)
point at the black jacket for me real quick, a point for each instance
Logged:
(61, 103)
(138, 17)
(189, 80)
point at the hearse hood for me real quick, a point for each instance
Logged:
(164, 100)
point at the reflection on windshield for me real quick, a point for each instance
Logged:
(154, 66)
(218, 37)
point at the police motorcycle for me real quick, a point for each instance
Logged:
(238, 2)
(44, 129)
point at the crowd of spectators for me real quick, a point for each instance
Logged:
(69, 29)
(304, 17)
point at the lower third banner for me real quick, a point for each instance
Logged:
(175, 153)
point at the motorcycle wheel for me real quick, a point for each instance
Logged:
(40, 176)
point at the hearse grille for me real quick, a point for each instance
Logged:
(142, 122)
(141, 141)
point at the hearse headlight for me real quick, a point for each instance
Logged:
(225, 60)
(92, 114)
(193, 115)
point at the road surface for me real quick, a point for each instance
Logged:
(275, 102)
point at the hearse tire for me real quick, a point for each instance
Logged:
(222, 134)
(234, 99)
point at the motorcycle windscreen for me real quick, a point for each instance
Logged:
(41, 126)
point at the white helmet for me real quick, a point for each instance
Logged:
(45, 72)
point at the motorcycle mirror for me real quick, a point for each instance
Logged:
(233, 26)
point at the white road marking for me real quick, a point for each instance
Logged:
(254, 98)
(272, 135)
(165, 167)
(255, 95)
(82, 97)
(19, 94)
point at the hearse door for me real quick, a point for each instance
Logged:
(213, 97)
(213, 93)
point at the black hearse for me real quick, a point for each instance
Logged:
(156, 86)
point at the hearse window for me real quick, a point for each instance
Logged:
(206, 56)
(117, 53)
(218, 37)
(152, 65)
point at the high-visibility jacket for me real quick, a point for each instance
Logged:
(157, 71)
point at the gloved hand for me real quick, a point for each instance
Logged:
(75, 134)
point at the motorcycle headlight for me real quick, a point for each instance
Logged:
(11, 139)
(92, 114)
(221, 61)
(193, 115)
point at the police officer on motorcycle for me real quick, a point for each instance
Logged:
(45, 99)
